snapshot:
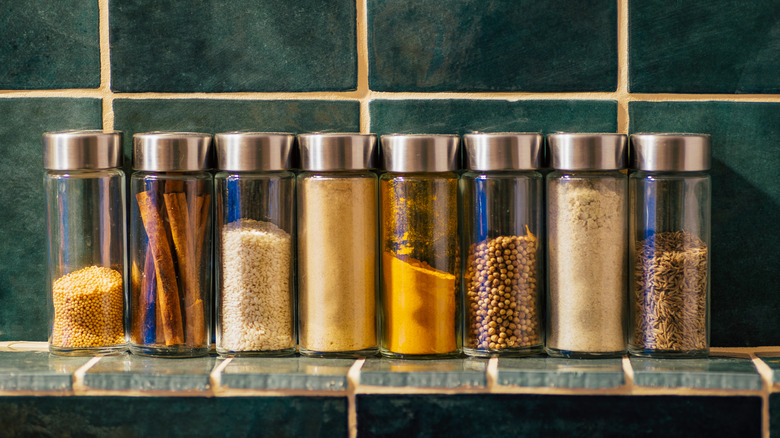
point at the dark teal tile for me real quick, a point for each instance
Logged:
(128, 372)
(561, 373)
(774, 414)
(773, 360)
(704, 46)
(225, 46)
(444, 373)
(22, 206)
(462, 116)
(133, 116)
(286, 373)
(707, 373)
(491, 415)
(49, 44)
(504, 45)
(174, 416)
(745, 207)
(37, 371)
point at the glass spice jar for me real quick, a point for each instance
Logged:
(255, 241)
(337, 245)
(420, 246)
(170, 246)
(587, 246)
(669, 240)
(502, 223)
(85, 206)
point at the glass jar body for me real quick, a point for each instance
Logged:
(255, 282)
(337, 263)
(502, 276)
(86, 261)
(587, 263)
(170, 249)
(669, 284)
(420, 265)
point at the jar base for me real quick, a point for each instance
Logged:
(112, 350)
(171, 351)
(506, 352)
(392, 355)
(268, 353)
(669, 354)
(366, 352)
(554, 352)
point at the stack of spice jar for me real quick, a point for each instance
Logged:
(416, 257)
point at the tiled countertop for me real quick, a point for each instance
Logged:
(351, 397)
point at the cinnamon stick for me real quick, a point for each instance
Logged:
(182, 231)
(168, 289)
(147, 323)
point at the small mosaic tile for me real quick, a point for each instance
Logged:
(442, 373)
(37, 371)
(286, 373)
(560, 373)
(129, 372)
(709, 373)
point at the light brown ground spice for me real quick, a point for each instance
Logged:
(670, 293)
(88, 309)
(502, 295)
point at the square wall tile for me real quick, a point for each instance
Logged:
(49, 44)
(489, 415)
(504, 45)
(213, 116)
(174, 416)
(226, 45)
(704, 46)
(745, 207)
(461, 116)
(23, 314)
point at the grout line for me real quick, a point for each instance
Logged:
(353, 380)
(215, 376)
(492, 373)
(628, 372)
(363, 89)
(105, 66)
(78, 375)
(622, 57)
(767, 375)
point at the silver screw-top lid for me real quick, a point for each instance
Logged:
(172, 151)
(337, 151)
(670, 152)
(76, 150)
(584, 151)
(253, 151)
(503, 151)
(408, 153)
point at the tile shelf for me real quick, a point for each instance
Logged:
(32, 369)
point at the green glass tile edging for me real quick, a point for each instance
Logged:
(23, 313)
(460, 116)
(773, 361)
(444, 373)
(37, 371)
(560, 373)
(227, 46)
(745, 205)
(714, 46)
(286, 373)
(129, 372)
(706, 373)
(504, 45)
(49, 44)
(289, 416)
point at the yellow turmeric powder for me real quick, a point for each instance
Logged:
(419, 307)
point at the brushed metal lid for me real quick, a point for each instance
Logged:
(503, 151)
(253, 151)
(337, 151)
(87, 149)
(586, 151)
(670, 152)
(172, 151)
(407, 153)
